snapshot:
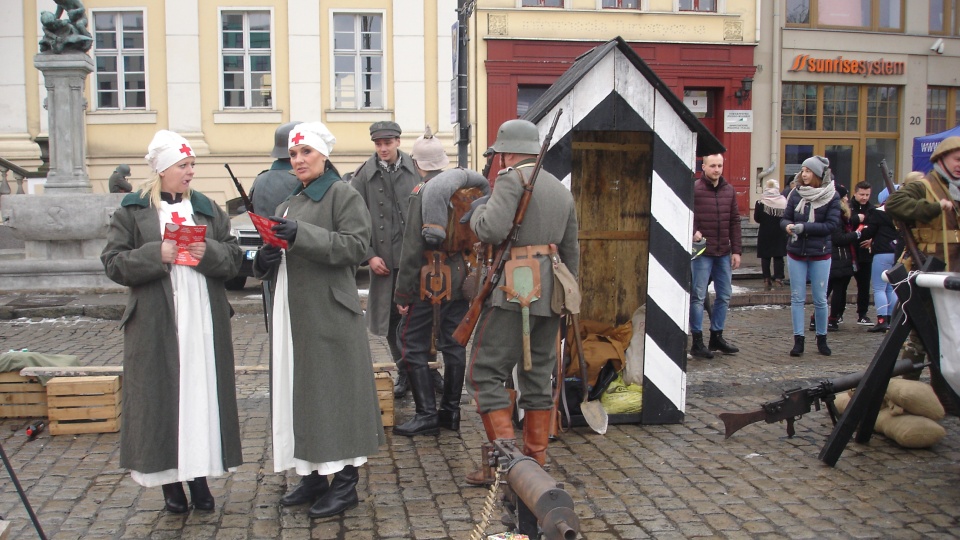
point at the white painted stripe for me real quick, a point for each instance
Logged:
(670, 211)
(634, 88)
(667, 292)
(664, 373)
(674, 132)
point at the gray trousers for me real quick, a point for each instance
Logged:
(498, 348)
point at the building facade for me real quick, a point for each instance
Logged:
(854, 80)
(226, 74)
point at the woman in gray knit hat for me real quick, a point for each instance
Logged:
(811, 216)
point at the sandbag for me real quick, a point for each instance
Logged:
(910, 430)
(915, 397)
(633, 371)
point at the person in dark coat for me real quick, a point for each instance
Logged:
(771, 239)
(180, 408)
(326, 416)
(810, 219)
(272, 186)
(118, 180)
(860, 208)
(843, 264)
(886, 242)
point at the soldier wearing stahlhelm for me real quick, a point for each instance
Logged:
(548, 230)
(429, 293)
(272, 186)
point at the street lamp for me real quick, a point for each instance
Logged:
(743, 92)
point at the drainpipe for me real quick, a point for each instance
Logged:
(464, 10)
(776, 88)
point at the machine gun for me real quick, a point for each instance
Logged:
(539, 505)
(797, 402)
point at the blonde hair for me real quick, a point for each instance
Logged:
(152, 187)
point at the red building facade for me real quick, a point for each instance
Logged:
(519, 70)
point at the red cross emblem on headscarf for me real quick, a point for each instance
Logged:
(297, 138)
(185, 150)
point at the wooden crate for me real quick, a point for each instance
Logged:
(84, 404)
(385, 394)
(22, 397)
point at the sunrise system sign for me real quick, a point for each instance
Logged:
(866, 68)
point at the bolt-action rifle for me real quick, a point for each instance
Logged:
(797, 402)
(469, 322)
(909, 242)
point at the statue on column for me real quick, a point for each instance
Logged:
(65, 35)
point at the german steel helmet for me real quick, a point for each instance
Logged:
(517, 137)
(123, 169)
(945, 147)
(280, 140)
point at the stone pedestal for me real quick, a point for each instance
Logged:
(64, 76)
(63, 230)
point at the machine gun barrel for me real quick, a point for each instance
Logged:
(795, 403)
(531, 490)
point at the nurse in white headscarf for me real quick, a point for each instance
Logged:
(179, 408)
(326, 416)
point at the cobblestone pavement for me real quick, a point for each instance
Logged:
(669, 481)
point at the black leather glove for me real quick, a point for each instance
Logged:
(268, 257)
(473, 206)
(285, 229)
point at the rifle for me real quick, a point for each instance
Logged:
(264, 285)
(469, 322)
(795, 403)
(243, 194)
(910, 243)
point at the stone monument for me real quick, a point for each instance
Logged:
(65, 228)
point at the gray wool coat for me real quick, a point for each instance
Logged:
(386, 196)
(336, 414)
(151, 360)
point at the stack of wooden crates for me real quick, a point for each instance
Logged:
(84, 404)
(22, 397)
(385, 395)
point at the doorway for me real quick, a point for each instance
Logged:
(844, 156)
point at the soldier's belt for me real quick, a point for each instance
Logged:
(526, 252)
(937, 236)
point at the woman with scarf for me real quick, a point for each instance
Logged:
(810, 218)
(326, 416)
(771, 239)
(180, 405)
(843, 265)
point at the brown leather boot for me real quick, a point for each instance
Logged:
(536, 434)
(498, 424)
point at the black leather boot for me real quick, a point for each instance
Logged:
(448, 417)
(437, 379)
(310, 487)
(200, 493)
(175, 498)
(697, 348)
(797, 346)
(424, 422)
(822, 345)
(341, 496)
(402, 386)
(717, 343)
(883, 324)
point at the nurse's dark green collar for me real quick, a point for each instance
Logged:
(201, 204)
(318, 188)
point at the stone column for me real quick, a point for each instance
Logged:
(64, 76)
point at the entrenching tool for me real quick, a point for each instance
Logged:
(523, 287)
(592, 411)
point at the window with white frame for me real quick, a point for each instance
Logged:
(620, 4)
(247, 59)
(709, 6)
(118, 51)
(358, 61)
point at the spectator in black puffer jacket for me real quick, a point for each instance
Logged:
(810, 218)
(886, 241)
(843, 264)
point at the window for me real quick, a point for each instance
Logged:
(836, 107)
(621, 4)
(358, 61)
(247, 59)
(527, 95)
(120, 80)
(944, 16)
(943, 108)
(875, 15)
(698, 5)
(541, 3)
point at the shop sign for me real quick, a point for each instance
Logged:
(843, 66)
(738, 121)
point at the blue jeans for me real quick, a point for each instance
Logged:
(718, 269)
(819, 273)
(883, 296)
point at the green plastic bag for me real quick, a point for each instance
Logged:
(621, 398)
